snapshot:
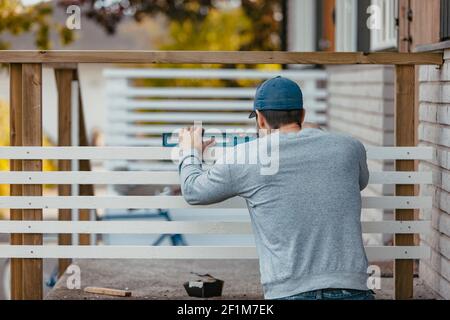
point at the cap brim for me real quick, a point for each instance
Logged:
(252, 115)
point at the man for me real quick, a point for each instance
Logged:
(306, 215)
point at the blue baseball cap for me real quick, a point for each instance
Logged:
(278, 93)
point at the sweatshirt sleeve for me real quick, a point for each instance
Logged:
(201, 187)
(363, 170)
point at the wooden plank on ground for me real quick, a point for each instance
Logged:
(108, 291)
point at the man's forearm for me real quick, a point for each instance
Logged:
(190, 169)
(204, 187)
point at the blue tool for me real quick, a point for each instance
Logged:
(229, 140)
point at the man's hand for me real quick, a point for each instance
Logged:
(191, 139)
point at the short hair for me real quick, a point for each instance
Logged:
(278, 118)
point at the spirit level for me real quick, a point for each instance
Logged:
(222, 139)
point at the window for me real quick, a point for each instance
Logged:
(445, 19)
(383, 16)
(346, 25)
(301, 23)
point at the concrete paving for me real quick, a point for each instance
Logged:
(163, 279)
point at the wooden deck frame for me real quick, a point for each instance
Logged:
(64, 75)
(15, 112)
(26, 92)
(218, 57)
(64, 78)
(32, 282)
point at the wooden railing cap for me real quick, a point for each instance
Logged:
(218, 57)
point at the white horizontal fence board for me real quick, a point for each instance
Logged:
(191, 105)
(122, 129)
(393, 177)
(168, 178)
(397, 202)
(399, 227)
(180, 252)
(111, 202)
(127, 227)
(184, 117)
(161, 153)
(376, 253)
(203, 92)
(183, 92)
(87, 153)
(183, 227)
(173, 73)
(400, 153)
(127, 128)
(130, 252)
(133, 141)
(197, 105)
(90, 177)
(145, 166)
(177, 202)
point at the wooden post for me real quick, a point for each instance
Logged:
(405, 137)
(64, 78)
(32, 285)
(85, 165)
(15, 116)
(65, 74)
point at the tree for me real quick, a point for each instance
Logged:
(265, 15)
(15, 18)
(219, 30)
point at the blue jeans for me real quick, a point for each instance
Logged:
(333, 294)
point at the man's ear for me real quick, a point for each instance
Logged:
(302, 117)
(262, 123)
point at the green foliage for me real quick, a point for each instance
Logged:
(265, 16)
(220, 30)
(16, 19)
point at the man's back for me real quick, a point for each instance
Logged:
(305, 216)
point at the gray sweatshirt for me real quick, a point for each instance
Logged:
(305, 214)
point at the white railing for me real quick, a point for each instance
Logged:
(221, 108)
(159, 201)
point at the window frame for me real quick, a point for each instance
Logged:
(301, 16)
(346, 32)
(385, 38)
(445, 20)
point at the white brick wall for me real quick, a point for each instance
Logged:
(361, 103)
(434, 130)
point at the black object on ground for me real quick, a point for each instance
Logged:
(206, 287)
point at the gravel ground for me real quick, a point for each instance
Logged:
(163, 279)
